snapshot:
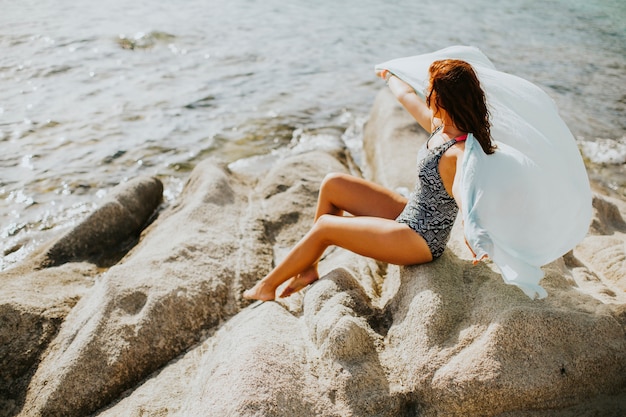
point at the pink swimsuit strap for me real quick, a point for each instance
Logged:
(461, 138)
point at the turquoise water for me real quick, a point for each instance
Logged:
(92, 95)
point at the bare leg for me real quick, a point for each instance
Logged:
(359, 197)
(379, 238)
(341, 193)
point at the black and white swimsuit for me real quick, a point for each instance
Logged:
(431, 211)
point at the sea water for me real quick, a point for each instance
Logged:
(92, 94)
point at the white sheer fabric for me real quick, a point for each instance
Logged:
(529, 202)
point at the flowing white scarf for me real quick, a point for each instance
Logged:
(529, 203)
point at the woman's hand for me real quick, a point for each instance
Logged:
(474, 261)
(384, 74)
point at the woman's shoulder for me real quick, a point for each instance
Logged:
(440, 141)
(453, 154)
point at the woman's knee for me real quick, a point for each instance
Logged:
(322, 223)
(322, 228)
(334, 181)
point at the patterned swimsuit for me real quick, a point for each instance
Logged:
(431, 211)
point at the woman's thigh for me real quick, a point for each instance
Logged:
(382, 239)
(359, 197)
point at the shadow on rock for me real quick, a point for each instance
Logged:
(112, 229)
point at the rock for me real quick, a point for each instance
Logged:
(35, 301)
(266, 373)
(24, 333)
(608, 218)
(480, 347)
(165, 331)
(105, 232)
(184, 278)
(146, 310)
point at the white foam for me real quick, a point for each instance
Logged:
(605, 151)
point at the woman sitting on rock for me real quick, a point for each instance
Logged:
(385, 225)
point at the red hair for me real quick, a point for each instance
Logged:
(458, 92)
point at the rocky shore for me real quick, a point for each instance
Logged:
(164, 330)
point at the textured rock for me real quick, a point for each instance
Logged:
(480, 347)
(146, 310)
(165, 331)
(107, 231)
(34, 301)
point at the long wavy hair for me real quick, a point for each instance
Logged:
(458, 92)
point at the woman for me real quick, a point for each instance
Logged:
(385, 225)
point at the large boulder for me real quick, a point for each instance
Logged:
(476, 346)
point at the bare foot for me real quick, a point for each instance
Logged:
(260, 291)
(300, 281)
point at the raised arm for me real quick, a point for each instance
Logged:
(409, 99)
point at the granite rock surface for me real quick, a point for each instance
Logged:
(165, 331)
